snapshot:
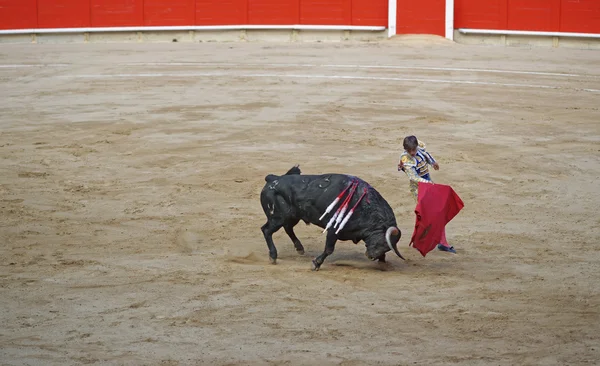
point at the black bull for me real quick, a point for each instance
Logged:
(292, 197)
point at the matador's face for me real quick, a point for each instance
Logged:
(412, 152)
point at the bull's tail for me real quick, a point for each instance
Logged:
(295, 170)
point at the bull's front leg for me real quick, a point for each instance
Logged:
(329, 248)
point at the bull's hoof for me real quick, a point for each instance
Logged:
(273, 260)
(299, 248)
(315, 265)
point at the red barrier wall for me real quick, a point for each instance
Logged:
(370, 12)
(326, 12)
(117, 13)
(20, 14)
(489, 14)
(174, 12)
(580, 16)
(533, 15)
(273, 11)
(63, 14)
(220, 12)
(421, 17)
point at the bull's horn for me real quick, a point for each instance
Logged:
(392, 230)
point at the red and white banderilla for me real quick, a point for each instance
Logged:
(342, 209)
(335, 202)
(351, 212)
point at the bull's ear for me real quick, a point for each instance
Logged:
(295, 170)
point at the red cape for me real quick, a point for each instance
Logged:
(437, 204)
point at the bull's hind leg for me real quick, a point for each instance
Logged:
(268, 229)
(289, 229)
(329, 248)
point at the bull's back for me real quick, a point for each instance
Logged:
(310, 195)
(306, 197)
(372, 209)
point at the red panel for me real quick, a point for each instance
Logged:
(581, 16)
(534, 15)
(480, 14)
(276, 12)
(370, 12)
(18, 14)
(221, 12)
(63, 14)
(326, 12)
(169, 12)
(117, 13)
(421, 17)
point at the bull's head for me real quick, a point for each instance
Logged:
(379, 244)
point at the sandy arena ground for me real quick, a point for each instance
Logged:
(130, 219)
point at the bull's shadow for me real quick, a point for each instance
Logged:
(348, 259)
(347, 207)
